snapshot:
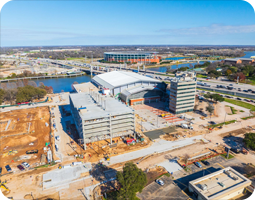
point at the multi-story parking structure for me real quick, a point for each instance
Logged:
(99, 117)
(132, 57)
(182, 92)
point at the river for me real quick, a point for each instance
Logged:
(65, 84)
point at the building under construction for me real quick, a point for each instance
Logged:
(98, 117)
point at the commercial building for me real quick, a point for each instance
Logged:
(132, 57)
(223, 184)
(141, 94)
(233, 60)
(98, 117)
(118, 81)
(182, 92)
(240, 60)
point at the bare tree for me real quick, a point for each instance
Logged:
(25, 81)
(20, 83)
(4, 86)
(32, 83)
(10, 95)
(186, 158)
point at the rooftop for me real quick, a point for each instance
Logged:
(232, 59)
(186, 76)
(102, 107)
(136, 89)
(117, 78)
(220, 182)
(131, 52)
(85, 87)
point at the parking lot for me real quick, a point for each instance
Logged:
(168, 191)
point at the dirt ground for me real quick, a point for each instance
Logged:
(27, 131)
(98, 150)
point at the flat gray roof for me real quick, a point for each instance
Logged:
(118, 78)
(212, 183)
(93, 110)
(131, 52)
(232, 59)
(85, 87)
(136, 89)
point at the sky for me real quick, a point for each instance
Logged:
(48, 23)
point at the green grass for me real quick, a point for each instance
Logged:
(224, 155)
(245, 118)
(241, 111)
(240, 103)
(233, 110)
(166, 174)
(201, 76)
(221, 124)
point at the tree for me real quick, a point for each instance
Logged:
(28, 93)
(20, 83)
(217, 97)
(186, 158)
(208, 96)
(228, 72)
(32, 83)
(2, 92)
(25, 82)
(249, 140)
(10, 95)
(210, 109)
(132, 180)
(240, 76)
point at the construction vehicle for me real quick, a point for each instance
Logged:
(244, 151)
(163, 115)
(2, 185)
(107, 158)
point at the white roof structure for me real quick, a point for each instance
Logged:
(104, 107)
(118, 78)
(136, 89)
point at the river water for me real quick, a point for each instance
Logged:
(65, 84)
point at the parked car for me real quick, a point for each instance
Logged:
(21, 168)
(238, 99)
(231, 84)
(205, 162)
(235, 150)
(239, 89)
(160, 182)
(25, 164)
(0, 170)
(198, 164)
(8, 168)
(253, 91)
(212, 122)
(245, 90)
(247, 100)
(249, 90)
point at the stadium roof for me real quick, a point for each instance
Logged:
(131, 52)
(118, 78)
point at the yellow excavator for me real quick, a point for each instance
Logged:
(166, 114)
(2, 185)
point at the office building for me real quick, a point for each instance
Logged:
(98, 117)
(182, 92)
(223, 184)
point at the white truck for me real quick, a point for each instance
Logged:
(187, 126)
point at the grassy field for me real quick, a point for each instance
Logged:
(221, 124)
(201, 76)
(240, 103)
(224, 155)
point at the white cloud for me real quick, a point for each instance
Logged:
(214, 29)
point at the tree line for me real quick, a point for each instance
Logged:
(23, 91)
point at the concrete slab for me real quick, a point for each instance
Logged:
(60, 176)
(171, 166)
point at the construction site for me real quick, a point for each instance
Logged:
(25, 137)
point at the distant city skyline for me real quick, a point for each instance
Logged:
(53, 23)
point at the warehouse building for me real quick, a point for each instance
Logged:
(132, 57)
(118, 81)
(182, 92)
(233, 60)
(223, 184)
(98, 117)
